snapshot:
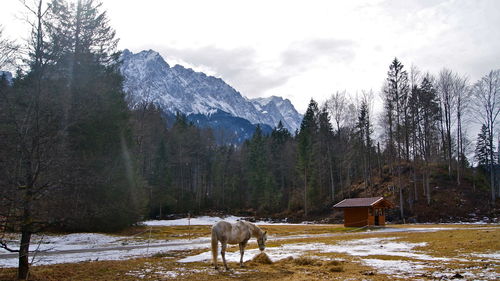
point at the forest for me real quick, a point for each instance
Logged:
(75, 157)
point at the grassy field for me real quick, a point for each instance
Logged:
(322, 252)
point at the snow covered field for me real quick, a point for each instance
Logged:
(80, 247)
(208, 220)
(363, 248)
(404, 258)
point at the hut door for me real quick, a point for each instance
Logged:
(376, 216)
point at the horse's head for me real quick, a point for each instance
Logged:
(261, 240)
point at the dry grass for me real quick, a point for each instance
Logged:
(167, 232)
(194, 231)
(286, 230)
(306, 261)
(318, 266)
(455, 243)
(167, 269)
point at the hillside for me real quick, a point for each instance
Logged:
(450, 202)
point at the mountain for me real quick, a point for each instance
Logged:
(281, 109)
(227, 128)
(149, 78)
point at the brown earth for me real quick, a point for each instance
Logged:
(468, 202)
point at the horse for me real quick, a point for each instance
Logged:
(237, 233)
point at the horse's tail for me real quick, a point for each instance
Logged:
(215, 244)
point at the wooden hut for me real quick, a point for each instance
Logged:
(360, 212)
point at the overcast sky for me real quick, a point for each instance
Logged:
(304, 49)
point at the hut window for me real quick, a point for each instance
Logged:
(370, 211)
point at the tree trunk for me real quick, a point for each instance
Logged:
(492, 171)
(473, 179)
(378, 160)
(459, 145)
(305, 192)
(23, 270)
(424, 192)
(427, 187)
(415, 189)
(401, 203)
(492, 180)
(331, 181)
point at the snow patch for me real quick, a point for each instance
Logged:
(204, 220)
(209, 220)
(68, 242)
(391, 267)
(359, 247)
(274, 253)
(495, 255)
(101, 247)
(159, 271)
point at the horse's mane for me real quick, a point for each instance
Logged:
(256, 231)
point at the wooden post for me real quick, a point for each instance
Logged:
(149, 239)
(189, 226)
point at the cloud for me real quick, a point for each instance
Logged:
(239, 67)
(303, 53)
(246, 72)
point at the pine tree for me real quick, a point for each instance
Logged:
(486, 93)
(482, 152)
(396, 104)
(306, 137)
(30, 139)
(324, 156)
(100, 164)
(364, 132)
(259, 181)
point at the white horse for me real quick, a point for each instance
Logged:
(237, 233)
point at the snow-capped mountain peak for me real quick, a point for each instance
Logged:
(287, 113)
(149, 78)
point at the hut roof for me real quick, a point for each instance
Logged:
(363, 202)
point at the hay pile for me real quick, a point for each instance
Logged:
(306, 261)
(262, 258)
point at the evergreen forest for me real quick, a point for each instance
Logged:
(75, 156)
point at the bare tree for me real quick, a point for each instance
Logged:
(8, 51)
(486, 102)
(30, 113)
(337, 106)
(396, 105)
(447, 99)
(427, 104)
(364, 125)
(460, 92)
(414, 116)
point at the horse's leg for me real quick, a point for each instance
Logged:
(242, 252)
(223, 254)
